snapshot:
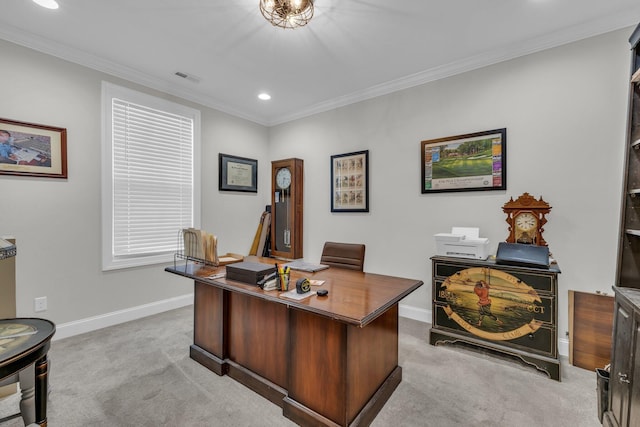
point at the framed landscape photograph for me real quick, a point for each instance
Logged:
(30, 149)
(350, 182)
(471, 162)
(237, 174)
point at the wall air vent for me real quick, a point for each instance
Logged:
(189, 77)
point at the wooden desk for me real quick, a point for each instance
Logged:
(23, 342)
(329, 361)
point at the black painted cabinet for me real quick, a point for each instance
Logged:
(508, 309)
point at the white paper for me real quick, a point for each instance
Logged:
(293, 294)
(467, 232)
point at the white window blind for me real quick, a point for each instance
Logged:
(152, 181)
(152, 178)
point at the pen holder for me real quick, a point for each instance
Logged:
(284, 281)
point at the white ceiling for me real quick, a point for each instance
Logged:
(352, 50)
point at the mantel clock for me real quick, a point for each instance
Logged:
(286, 212)
(525, 217)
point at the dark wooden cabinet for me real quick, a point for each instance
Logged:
(628, 269)
(623, 407)
(508, 309)
(623, 401)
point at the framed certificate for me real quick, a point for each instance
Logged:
(237, 174)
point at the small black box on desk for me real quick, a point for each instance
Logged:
(249, 272)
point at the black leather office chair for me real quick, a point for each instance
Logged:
(343, 255)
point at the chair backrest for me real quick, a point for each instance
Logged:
(343, 255)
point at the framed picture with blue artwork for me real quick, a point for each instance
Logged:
(30, 149)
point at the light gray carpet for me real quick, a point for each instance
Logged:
(140, 374)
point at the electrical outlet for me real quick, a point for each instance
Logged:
(40, 304)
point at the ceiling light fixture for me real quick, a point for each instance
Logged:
(287, 13)
(49, 4)
(264, 96)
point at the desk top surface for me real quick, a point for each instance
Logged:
(354, 297)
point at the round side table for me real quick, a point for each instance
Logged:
(23, 342)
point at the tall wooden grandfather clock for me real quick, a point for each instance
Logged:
(286, 208)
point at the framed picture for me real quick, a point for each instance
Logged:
(32, 150)
(350, 182)
(472, 162)
(237, 174)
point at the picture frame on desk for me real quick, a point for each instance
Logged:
(30, 149)
(350, 182)
(470, 162)
(237, 173)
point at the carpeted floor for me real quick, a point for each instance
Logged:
(140, 374)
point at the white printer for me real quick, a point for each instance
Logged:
(462, 242)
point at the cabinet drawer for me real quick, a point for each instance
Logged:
(536, 337)
(513, 308)
(443, 269)
(542, 282)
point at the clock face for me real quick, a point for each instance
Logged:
(283, 178)
(526, 225)
(526, 221)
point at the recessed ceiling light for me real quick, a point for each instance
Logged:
(49, 4)
(264, 96)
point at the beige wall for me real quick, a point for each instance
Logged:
(57, 222)
(565, 114)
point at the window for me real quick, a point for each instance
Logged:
(150, 179)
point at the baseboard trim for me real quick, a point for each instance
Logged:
(415, 313)
(77, 327)
(563, 347)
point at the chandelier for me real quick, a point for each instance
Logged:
(287, 13)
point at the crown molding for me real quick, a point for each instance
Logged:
(80, 57)
(483, 59)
